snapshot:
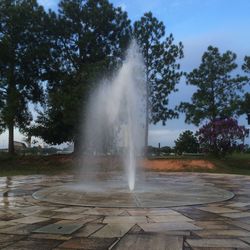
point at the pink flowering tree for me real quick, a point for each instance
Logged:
(222, 136)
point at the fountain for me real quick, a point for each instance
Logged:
(115, 115)
(114, 125)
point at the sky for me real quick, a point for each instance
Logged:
(197, 24)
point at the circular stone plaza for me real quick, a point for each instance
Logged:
(166, 211)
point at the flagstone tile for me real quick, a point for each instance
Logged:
(169, 218)
(33, 244)
(236, 215)
(6, 239)
(231, 233)
(156, 242)
(218, 210)
(113, 230)
(30, 220)
(49, 236)
(150, 212)
(168, 226)
(20, 229)
(125, 219)
(68, 216)
(58, 228)
(88, 243)
(217, 243)
(88, 229)
(214, 225)
(71, 209)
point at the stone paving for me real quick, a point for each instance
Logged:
(28, 223)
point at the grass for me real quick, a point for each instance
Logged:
(237, 163)
(26, 165)
(56, 164)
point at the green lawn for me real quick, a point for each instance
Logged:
(25, 165)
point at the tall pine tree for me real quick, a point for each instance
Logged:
(218, 90)
(162, 68)
(22, 56)
(89, 38)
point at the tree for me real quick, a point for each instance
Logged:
(187, 142)
(218, 92)
(22, 56)
(222, 136)
(161, 57)
(246, 65)
(245, 103)
(89, 39)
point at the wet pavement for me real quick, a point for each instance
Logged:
(221, 221)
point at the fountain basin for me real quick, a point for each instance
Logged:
(154, 192)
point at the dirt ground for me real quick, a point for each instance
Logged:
(177, 165)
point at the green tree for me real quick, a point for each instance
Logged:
(187, 142)
(161, 57)
(218, 92)
(89, 39)
(245, 103)
(246, 65)
(22, 55)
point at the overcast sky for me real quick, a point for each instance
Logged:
(198, 24)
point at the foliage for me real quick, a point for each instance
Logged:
(23, 54)
(245, 102)
(218, 92)
(186, 143)
(84, 47)
(161, 57)
(246, 65)
(222, 136)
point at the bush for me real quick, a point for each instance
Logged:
(222, 136)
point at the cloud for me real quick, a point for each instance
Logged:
(49, 4)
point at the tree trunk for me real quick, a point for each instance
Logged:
(146, 122)
(11, 148)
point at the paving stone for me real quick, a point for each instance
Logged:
(149, 212)
(88, 229)
(135, 230)
(49, 236)
(156, 242)
(6, 239)
(169, 218)
(88, 243)
(238, 204)
(30, 220)
(71, 209)
(125, 219)
(236, 215)
(84, 219)
(232, 232)
(240, 224)
(218, 210)
(196, 214)
(113, 230)
(68, 216)
(20, 229)
(33, 244)
(58, 229)
(217, 243)
(214, 225)
(168, 226)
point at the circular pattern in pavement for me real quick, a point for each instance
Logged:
(155, 191)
